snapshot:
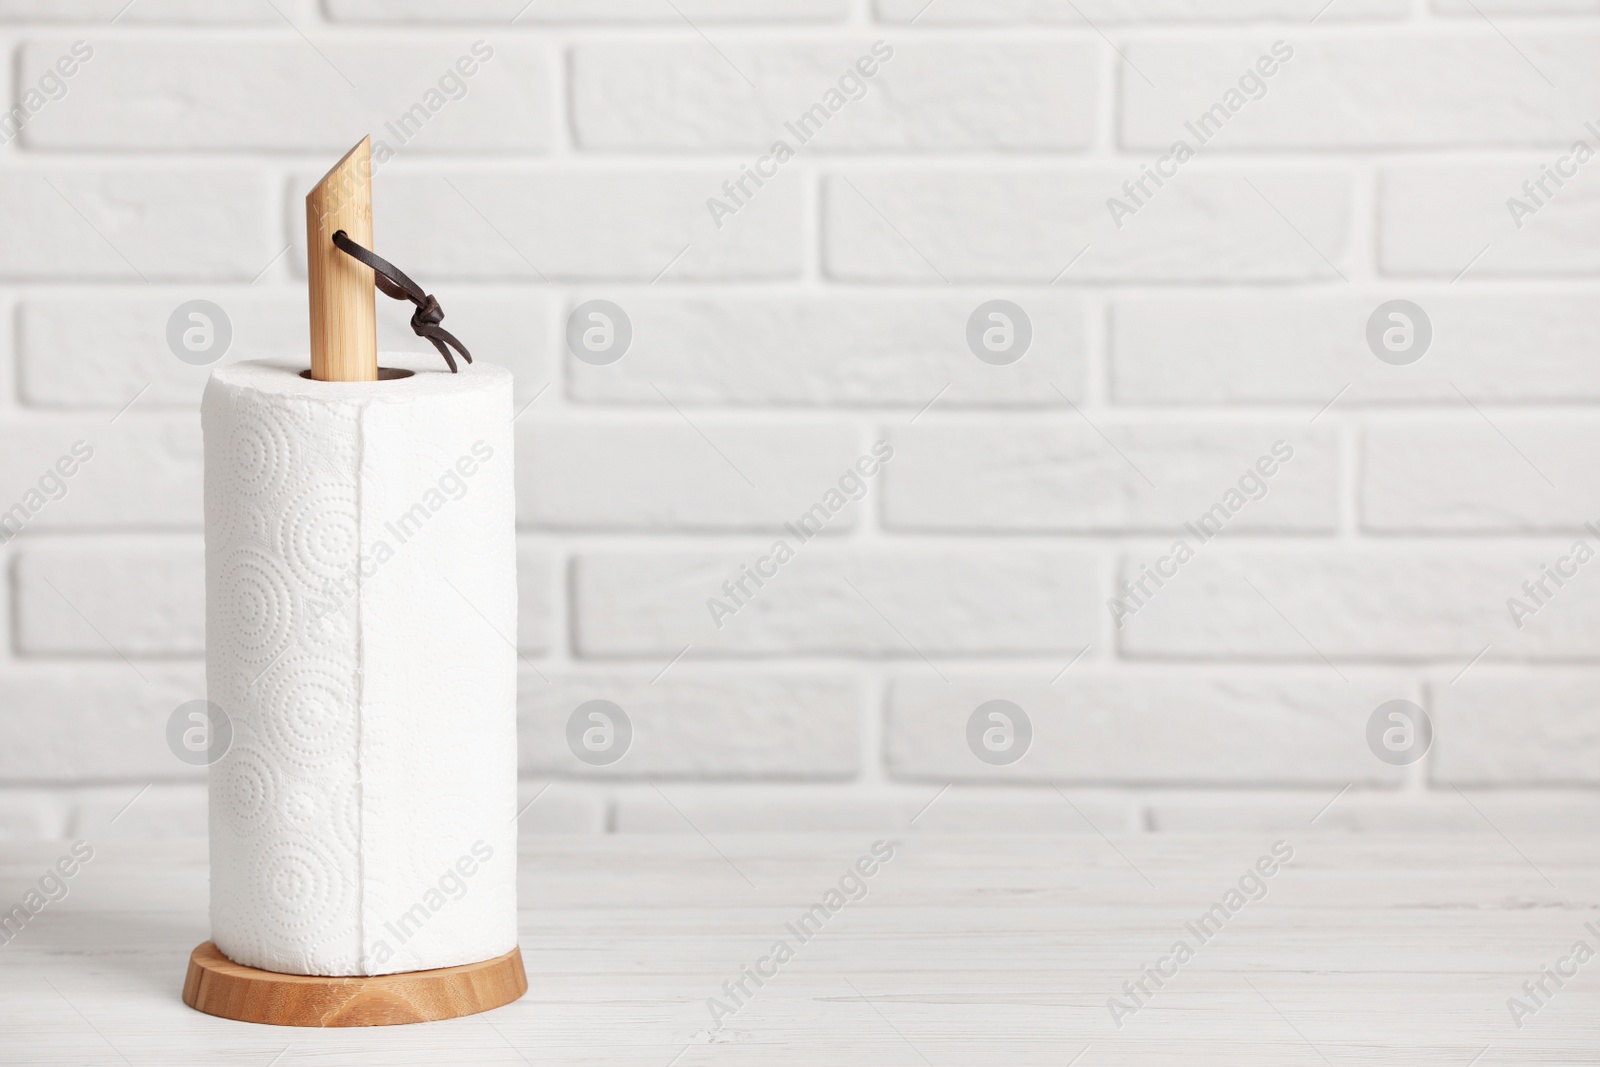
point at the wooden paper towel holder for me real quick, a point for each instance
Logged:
(218, 986)
(344, 348)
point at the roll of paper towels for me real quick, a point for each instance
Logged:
(361, 620)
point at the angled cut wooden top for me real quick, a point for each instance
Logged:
(341, 291)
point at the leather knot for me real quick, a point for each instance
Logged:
(395, 283)
(430, 313)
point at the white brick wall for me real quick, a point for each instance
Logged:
(1324, 95)
(1223, 309)
(926, 97)
(1027, 227)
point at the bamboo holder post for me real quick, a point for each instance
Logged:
(344, 318)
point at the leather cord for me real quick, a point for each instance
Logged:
(395, 283)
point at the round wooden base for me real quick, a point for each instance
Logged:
(218, 986)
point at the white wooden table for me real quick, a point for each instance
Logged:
(1365, 950)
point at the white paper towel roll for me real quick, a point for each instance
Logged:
(360, 624)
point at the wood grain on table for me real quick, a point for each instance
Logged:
(1362, 950)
